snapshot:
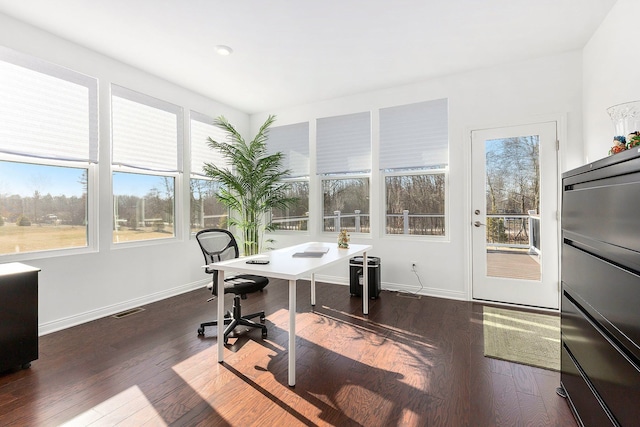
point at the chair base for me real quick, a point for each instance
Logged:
(234, 319)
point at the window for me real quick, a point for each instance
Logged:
(206, 211)
(48, 145)
(293, 141)
(415, 203)
(295, 217)
(346, 204)
(414, 150)
(143, 206)
(147, 150)
(344, 164)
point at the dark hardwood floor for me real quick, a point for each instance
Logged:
(412, 362)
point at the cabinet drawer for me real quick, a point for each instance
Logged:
(585, 404)
(613, 292)
(614, 377)
(613, 218)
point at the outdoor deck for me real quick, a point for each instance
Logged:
(512, 264)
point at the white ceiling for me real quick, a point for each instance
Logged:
(292, 52)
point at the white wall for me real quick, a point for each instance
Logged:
(493, 97)
(77, 288)
(611, 68)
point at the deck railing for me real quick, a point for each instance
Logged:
(205, 221)
(503, 230)
(514, 231)
(358, 222)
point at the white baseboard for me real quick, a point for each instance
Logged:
(426, 291)
(67, 322)
(336, 280)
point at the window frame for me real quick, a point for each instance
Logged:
(345, 142)
(91, 207)
(414, 141)
(88, 160)
(288, 139)
(149, 101)
(216, 133)
(177, 207)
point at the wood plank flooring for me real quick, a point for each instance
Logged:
(411, 362)
(512, 265)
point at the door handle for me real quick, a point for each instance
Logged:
(477, 224)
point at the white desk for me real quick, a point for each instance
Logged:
(282, 265)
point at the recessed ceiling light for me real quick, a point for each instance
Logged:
(224, 50)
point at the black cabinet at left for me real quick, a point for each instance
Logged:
(18, 315)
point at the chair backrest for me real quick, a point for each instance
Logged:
(217, 245)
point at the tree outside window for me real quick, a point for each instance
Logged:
(42, 207)
(346, 204)
(143, 207)
(415, 204)
(206, 210)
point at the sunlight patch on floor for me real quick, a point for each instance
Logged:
(132, 397)
(522, 321)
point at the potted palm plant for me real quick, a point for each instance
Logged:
(252, 185)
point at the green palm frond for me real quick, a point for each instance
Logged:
(254, 185)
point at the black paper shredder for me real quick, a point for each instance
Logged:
(355, 276)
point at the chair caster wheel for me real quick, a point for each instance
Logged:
(262, 319)
(200, 332)
(264, 334)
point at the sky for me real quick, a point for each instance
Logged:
(24, 179)
(136, 184)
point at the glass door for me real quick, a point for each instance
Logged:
(514, 218)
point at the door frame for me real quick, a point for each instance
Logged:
(561, 129)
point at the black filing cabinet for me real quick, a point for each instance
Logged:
(355, 276)
(18, 315)
(601, 290)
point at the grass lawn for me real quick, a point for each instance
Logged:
(14, 239)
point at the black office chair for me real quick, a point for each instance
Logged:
(220, 245)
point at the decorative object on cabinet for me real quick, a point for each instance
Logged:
(633, 139)
(626, 123)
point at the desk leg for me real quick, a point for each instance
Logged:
(292, 333)
(313, 289)
(365, 284)
(220, 316)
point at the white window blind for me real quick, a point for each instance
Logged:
(146, 132)
(414, 136)
(202, 129)
(46, 111)
(343, 144)
(293, 141)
